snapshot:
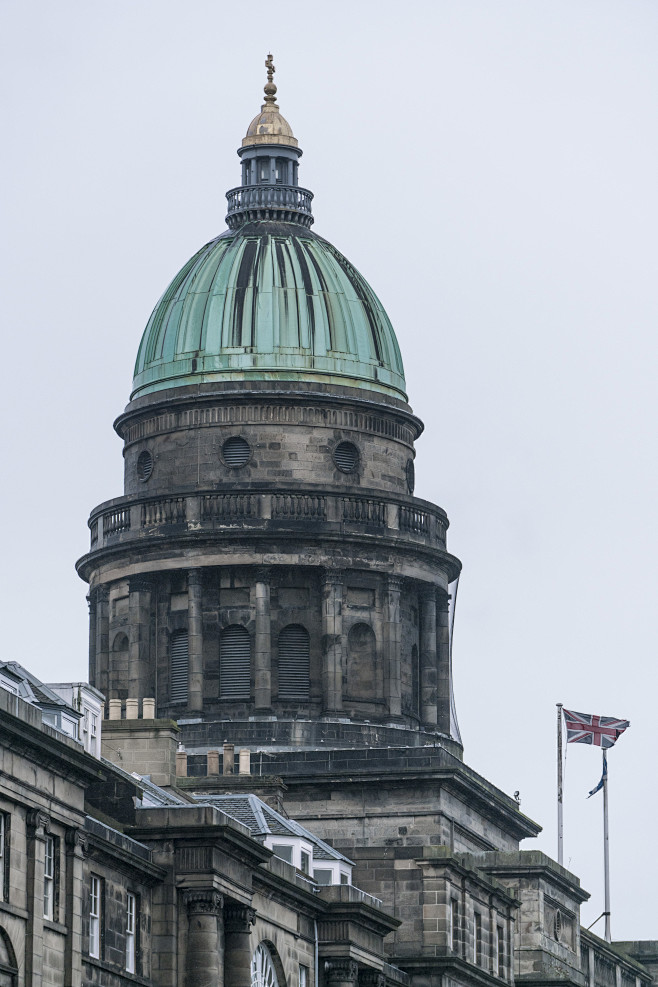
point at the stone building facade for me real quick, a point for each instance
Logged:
(269, 593)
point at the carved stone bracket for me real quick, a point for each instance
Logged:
(205, 901)
(237, 917)
(341, 970)
(38, 823)
(76, 843)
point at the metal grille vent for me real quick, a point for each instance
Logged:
(346, 457)
(144, 465)
(236, 451)
(294, 663)
(234, 663)
(179, 667)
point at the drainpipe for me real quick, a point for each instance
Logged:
(315, 955)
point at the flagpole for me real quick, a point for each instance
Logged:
(606, 851)
(560, 833)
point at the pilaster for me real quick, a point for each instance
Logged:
(75, 848)
(101, 597)
(195, 641)
(263, 648)
(38, 824)
(428, 659)
(139, 609)
(443, 665)
(332, 641)
(392, 645)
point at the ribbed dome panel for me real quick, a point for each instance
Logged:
(269, 302)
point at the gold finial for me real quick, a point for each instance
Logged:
(270, 88)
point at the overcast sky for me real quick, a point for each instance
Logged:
(490, 167)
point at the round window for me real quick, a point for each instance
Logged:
(410, 471)
(144, 465)
(236, 451)
(346, 457)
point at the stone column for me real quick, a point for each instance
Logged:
(341, 972)
(204, 954)
(392, 646)
(75, 848)
(428, 666)
(263, 649)
(237, 951)
(38, 824)
(444, 684)
(195, 641)
(332, 641)
(102, 643)
(139, 619)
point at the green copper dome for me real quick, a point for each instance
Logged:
(269, 301)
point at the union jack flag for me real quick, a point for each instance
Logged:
(585, 728)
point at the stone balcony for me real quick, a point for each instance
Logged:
(268, 512)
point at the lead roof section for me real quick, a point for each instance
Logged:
(269, 302)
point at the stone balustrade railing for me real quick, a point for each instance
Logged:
(276, 510)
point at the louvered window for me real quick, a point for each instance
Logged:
(234, 663)
(294, 663)
(346, 457)
(236, 452)
(179, 667)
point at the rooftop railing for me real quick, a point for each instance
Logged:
(286, 203)
(277, 511)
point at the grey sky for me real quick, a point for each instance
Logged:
(490, 167)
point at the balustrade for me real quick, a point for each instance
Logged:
(214, 510)
(363, 511)
(169, 511)
(115, 521)
(236, 505)
(299, 506)
(268, 200)
(414, 520)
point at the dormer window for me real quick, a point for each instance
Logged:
(284, 851)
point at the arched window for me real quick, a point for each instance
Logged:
(8, 967)
(294, 663)
(234, 663)
(363, 671)
(263, 971)
(178, 667)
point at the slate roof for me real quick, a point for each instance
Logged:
(264, 821)
(36, 692)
